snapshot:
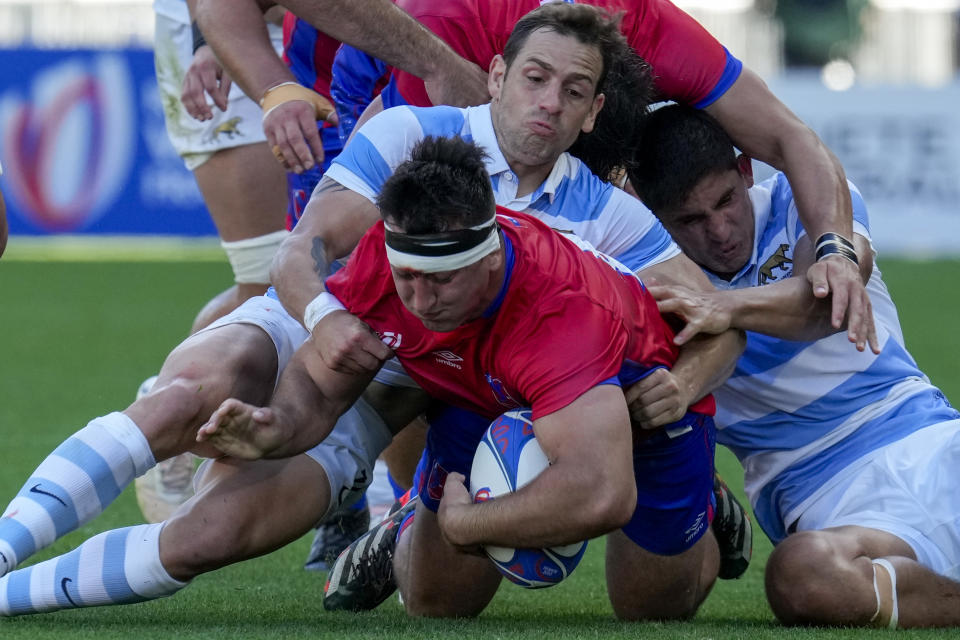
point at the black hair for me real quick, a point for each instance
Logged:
(628, 94)
(677, 147)
(443, 186)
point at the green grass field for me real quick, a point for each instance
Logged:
(77, 336)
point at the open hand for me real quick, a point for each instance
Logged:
(242, 430)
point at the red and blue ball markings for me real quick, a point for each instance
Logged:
(507, 459)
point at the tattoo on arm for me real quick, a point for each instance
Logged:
(319, 255)
(329, 185)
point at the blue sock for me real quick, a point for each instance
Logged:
(397, 489)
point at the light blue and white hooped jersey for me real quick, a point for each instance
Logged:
(570, 199)
(797, 413)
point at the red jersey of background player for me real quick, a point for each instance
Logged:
(689, 65)
(564, 322)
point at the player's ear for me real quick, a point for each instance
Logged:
(498, 70)
(745, 167)
(591, 119)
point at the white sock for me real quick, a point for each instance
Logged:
(73, 485)
(115, 567)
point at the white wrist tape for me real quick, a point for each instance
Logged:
(321, 306)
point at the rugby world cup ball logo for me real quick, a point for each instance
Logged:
(68, 140)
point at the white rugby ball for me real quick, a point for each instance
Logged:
(508, 458)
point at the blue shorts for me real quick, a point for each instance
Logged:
(300, 186)
(674, 476)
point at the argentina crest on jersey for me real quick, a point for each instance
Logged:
(777, 225)
(776, 265)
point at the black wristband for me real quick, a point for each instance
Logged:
(198, 40)
(830, 237)
(832, 247)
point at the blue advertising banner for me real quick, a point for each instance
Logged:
(84, 148)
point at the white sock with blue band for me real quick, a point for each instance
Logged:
(73, 485)
(115, 567)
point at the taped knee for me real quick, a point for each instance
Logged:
(251, 258)
(885, 588)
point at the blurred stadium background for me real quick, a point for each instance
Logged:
(84, 150)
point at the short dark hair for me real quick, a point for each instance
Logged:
(677, 147)
(589, 25)
(443, 186)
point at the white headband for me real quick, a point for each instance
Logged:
(447, 251)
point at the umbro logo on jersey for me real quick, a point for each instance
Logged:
(448, 358)
(391, 339)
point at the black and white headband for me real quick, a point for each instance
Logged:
(445, 251)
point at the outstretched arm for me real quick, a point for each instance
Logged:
(375, 26)
(786, 309)
(703, 364)
(309, 399)
(589, 445)
(764, 128)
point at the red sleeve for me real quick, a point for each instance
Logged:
(689, 64)
(557, 360)
(475, 29)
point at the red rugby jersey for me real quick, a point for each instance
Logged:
(564, 322)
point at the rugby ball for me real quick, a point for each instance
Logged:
(508, 458)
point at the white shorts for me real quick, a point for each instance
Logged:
(910, 489)
(267, 313)
(392, 374)
(349, 453)
(193, 140)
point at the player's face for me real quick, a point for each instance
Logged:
(715, 225)
(446, 300)
(546, 97)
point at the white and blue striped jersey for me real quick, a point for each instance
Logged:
(570, 199)
(797, 413)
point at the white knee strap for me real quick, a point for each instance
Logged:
(251, 258)
(895, 612)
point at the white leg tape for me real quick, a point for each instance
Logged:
(895, 612)
(251, 258)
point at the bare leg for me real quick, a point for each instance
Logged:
(93, 466)
(403, 454)
(245, 190)
(435, 579)
(236, 360)
(826, 578)
(646, 586)
(244, 510)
